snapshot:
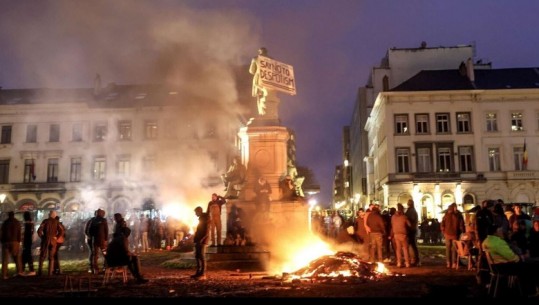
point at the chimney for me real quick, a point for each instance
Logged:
(470, 70)
(97, 84)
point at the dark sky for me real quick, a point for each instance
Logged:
(332, 45)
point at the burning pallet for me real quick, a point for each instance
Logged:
(339, 267)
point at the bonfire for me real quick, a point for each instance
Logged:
(341, 266)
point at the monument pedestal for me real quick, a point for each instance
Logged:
(264, 148)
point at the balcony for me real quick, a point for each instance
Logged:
(38, 187)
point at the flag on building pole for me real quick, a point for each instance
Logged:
(524, 157)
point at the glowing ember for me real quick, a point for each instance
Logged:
(344, 265)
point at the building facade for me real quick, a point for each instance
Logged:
(121, 148)
(460, 135)
(398, 65)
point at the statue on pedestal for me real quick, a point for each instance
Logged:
(263, 95)
(234, 178)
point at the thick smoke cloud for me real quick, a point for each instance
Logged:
(64, 44)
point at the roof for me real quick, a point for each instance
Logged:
(436, 80)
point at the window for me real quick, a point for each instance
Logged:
(424, 162)
(401, 124)
(518, 153)
(516, 121)
(494, 159)
(150, 130)
(148, 164)
(4, 171)
(100, 132)
(466, 158)
(54, 133)
(99, 168)
(52, 170)
(492, 123)
(5, 138)
(76, 167)
(124, 167)
(444, 158)
(422, 123)
(464, 124)
(442, 123)
(77, 132)
(29, 170)
(31, 134)
(403, 160)
(124, 130)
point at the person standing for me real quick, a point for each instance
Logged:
(201, 241)
(27, 240)
(411, 214)
(452, 226)
(11, 240)
(214, 211)
(399, 231)
(89, 242)
(99, 234)
(59, 242)
(49, 230)
(263, 194)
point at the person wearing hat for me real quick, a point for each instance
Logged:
(201, 241)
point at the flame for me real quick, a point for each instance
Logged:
(311, 247)
(181, 212)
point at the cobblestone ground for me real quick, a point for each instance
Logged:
(432, 279)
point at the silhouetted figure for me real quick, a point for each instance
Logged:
(201, 240)
(11, 239)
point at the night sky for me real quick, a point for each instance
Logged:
(332, 45)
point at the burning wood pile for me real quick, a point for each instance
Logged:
(339, 267)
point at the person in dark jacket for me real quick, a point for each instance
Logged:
(118, 254)
(121, 225)
(412, 216)
(11, 239)
(48, 231)
(89, 242)
(201, 241)
(99, 233)
(28, 239)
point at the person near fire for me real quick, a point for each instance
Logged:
(233, 177)
(11, 239)
(49, 230)
(201, 240)
(399, 230)
(411, 214)
(214, 212)
(118, 253)
(99, 232)
(288, 189)
(263, 194)
(28, 239)
(59, 243)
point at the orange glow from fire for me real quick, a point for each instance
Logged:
(311, 247)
